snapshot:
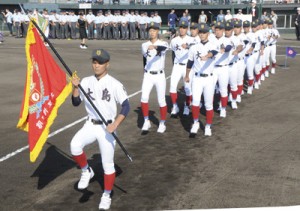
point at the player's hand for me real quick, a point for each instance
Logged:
(185, 46)
(75, 80)
(261, 52)
(204, 58)
(151, 47)
(222, 50)
(187, 79)
(111, 128)
(249, 52)
(234, 53)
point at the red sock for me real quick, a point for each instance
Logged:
(250, 82)
(195, 112)
(209, 116)
(163, 113)
(257, 77)
(273, 65)
(234, 94)
(240, 89)
(268, 66)
(263, 70)
(145, 109)
(80, 160)
(173, 97)
(188, 100)
(224, 101)
(109, 180)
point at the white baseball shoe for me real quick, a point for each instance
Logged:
(256, 85)
(267, 74)
(262, 77)
(186, 110)
(273, 70)
(234, 104)
(238, 99)
(161, 128)
(86, 176)
(105, 202)
(250, 90)
(207, 131)
(259, 82)
(195, 128)
(175, 109)
(223, 112)
(243, 92)
(146, 125)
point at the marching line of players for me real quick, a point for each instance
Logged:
(209, 63)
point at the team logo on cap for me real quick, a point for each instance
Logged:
(182, 22)
(236, 22)
(193, 24)
(98, 52)
(219, 23)
(202, 26)
(152, 24)
(227, 24)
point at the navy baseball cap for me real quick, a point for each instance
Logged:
(183, 24)
(237, 23)
(101, 55)
(270, 22)
(154, 25)
(219, 25)
(213, 23)
(254, 24)
(203, 27)
(246, 24)
(228, 26)
(194, 25)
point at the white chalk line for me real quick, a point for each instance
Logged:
(10, 155)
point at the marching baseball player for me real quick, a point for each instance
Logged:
(194, 28)
(251, 54)
(221, 69)
(240, 63)
(237, 47)
(180, 46)
(259, 47)
(200, 60)
(274, 35)
(105, 92)
(154, 52)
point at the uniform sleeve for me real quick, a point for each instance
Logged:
(144, 50)
(120, 93)
(191, 54)
(172, 45)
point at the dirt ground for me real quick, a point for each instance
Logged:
(252, 159)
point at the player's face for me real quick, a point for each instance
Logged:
(99, 69)
(153, 33)
(254, 29)
(237, 30)
(203, 36)
(219, 32)
(246, 29)
(183, 31)
(194, 32)
(228, 33)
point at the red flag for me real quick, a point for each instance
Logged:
(46, 88)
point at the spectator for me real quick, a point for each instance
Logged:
(157, 18)
(202, 17)
(146, 2)
(228, 15)
(297, 24)
(254, 10)
(274, 18)
(221, 16)
(239, 15)
(264, 16)
(188, 15)
(172, 17)
(184, 18)
(9, 20)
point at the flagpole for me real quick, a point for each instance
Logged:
(81, 89)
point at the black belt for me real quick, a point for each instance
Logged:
(154, 72)
(203, 74)
(223, 65)
(181, 64)
(270, 44)
(99, 122)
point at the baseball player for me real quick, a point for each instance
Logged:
(221, 69)
(90, 18)
(240, 63)
(237, 47)
(274, 35)
(200, 60)
(259, 47)
(154, 52)
(180, 46)
(251, 55)
(105, 91)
